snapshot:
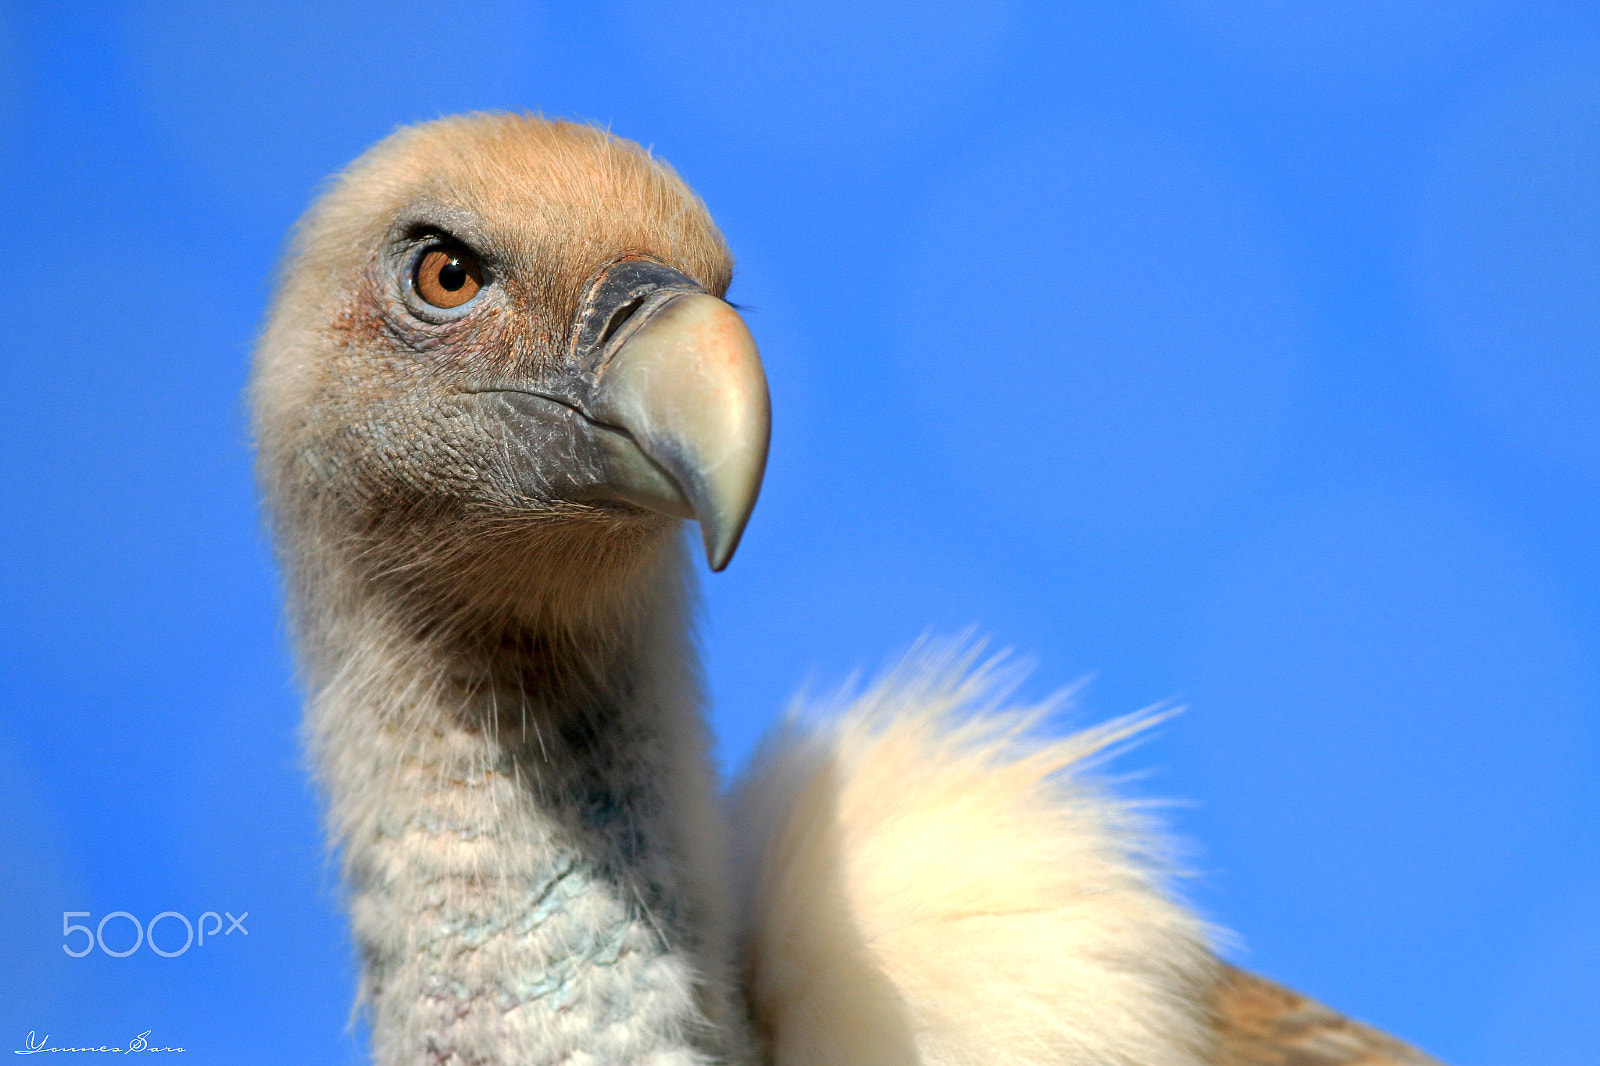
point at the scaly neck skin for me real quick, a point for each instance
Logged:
(530, 835)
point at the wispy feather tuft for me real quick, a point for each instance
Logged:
(934, 883)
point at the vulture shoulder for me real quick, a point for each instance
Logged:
(936, 882)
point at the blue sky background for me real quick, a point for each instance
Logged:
(1238, 354)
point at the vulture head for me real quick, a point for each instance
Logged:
(499, 366)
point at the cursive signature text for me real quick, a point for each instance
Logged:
(35, 1044)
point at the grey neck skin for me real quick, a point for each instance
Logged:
(531, 839)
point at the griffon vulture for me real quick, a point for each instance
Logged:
(497, 377)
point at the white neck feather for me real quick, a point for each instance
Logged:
(531, 840)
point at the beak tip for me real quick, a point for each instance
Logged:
(721, 540)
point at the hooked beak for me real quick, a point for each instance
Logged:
(687, 386)
(676, 398)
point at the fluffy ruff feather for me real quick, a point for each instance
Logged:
(929, 884)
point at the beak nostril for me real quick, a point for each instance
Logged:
(619, 318)
(617, 295)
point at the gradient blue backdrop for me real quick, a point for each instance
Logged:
(1244, 354)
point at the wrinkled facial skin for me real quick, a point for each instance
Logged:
(414, 388)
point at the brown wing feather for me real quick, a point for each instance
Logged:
(1260, 1023)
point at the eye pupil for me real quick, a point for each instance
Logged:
(452, 275)
(447, 276)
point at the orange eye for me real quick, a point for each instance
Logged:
(448, 277)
